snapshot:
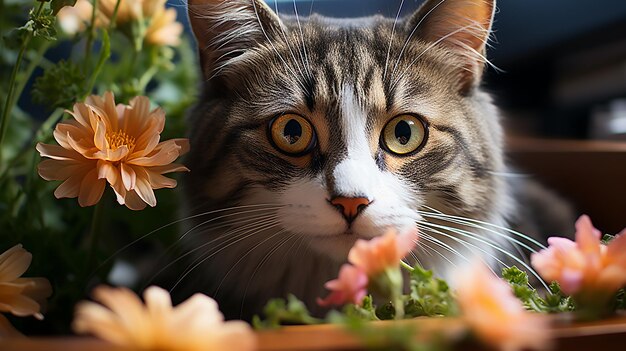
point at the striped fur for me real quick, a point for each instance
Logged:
(349, 78)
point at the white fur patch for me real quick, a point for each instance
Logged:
(307, 210)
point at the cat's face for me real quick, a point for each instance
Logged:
(344, 129)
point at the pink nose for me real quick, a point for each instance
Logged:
(350, 207)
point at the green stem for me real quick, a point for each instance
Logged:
(91, 33)
(406, 266)
(398, 303)
(33, 64)
(8, 104)
(146, 78)
(94, 235)
(114, 16)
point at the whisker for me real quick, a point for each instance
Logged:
(408, 39)
(443, 245)
(475, 237)
(432, 45)
(481, 225)
(262, 262)
(124, 248)
(393, 32)
(244, 256)
(197, 264)
(282, 28)
(256, 12)
(472, 225)
(234, 235)
(468, 245)
(254, 220)
(306, 62)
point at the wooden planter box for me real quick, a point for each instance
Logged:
(607, 335)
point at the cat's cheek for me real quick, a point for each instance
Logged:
(304, 209)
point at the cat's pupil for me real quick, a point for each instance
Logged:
(293, 131)
(403, 132)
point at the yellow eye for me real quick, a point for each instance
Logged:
(292, 134)
(404, 135)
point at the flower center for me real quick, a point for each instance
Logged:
(120, 138)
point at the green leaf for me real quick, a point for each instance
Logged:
(386, 312)
(607, 238)
(280, 312)
(57, 5)
(367, 311)
(429, 296)
(553, 302)
(60, 85)
(42, 25)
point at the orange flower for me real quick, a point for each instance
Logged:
(586, 266)
(162, 27)
(350, 287)
(496, 316)
(115, 144)
(19, 296)
(378, 254)
(128, 10)
(194, 325)
(74, 19)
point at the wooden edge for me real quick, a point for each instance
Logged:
(334, 337)
(521, 144)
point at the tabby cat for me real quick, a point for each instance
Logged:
(313, 132)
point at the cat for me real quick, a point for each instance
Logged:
(313, 132)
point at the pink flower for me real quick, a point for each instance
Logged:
(350, 287)
(585, 266)
(376, 255)
(495, 315)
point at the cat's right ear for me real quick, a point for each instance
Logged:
(463, 26)
(226, 29)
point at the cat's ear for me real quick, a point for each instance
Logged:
(226, 29)
(461, 25)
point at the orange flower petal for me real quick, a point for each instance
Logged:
(70, 188)
(157, 181)
(99, 138)
(13, 263)
(72, 128)
(173, 167)
(129, 177)
(106, 170)
(100, 321)
(57, 152)
(91, 189)
(20, 305)
(133, 201)
(165, 153)
(38, 289)
(143, 188)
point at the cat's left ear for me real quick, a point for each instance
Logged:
(462, 26)
(227, 29)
